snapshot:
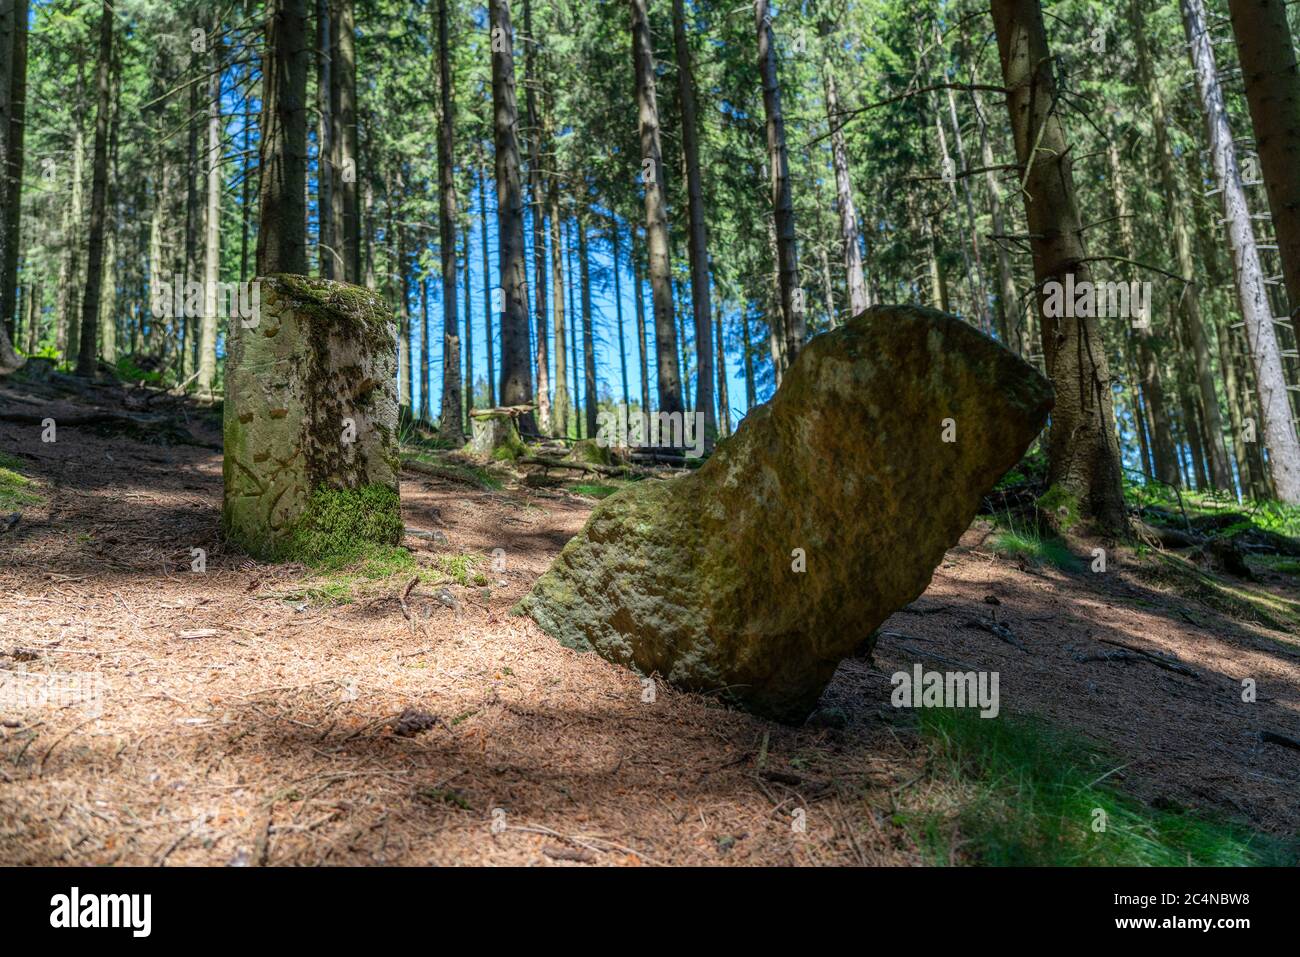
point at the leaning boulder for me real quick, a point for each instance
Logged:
(311, 461)
(826, 512)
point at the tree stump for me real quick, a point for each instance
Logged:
(311, 460)
(494, 434)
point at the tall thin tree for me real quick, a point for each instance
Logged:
(516, 364)
(449, 428)
(88, 355)
(656, 208)
(1252, 292)
(282, 230)
(1083, 449)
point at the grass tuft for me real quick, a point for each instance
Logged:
(1015, 792)
(1027, 542)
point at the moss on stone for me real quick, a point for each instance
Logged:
(336, 302)
(341, 526)
(590, 452)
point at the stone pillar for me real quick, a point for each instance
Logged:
(311, 460)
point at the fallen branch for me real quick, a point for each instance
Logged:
(1129, 653)
(595, 468)
(999, 631)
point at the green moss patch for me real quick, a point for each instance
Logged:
(340, 527)
(592, 489)
(1062, 505)
(460, 569)
(16, 489)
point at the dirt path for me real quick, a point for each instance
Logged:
(243, 723)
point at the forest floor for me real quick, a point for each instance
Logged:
(252, 713)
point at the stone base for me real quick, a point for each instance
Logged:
(311, 461)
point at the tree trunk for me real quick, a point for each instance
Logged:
(11, 166)
(8, 17)
(404, 320)
(701, 297)
(469, 329)
(88, 355)
(426, 410)
(325, 251)
(516, 364)
(282, 231)
(560, 411)
(344, 194)
(588, 330)
(67, 307)
(656, 209)
(791, 296)
(536, 204)
(1274, 405)
(1268, 67)
(1007, 303)
(1189, 296)
(1083, 450)
(724, 407)
(488, 341)
(212, 233)
(449, 428)
(573, 340)
(638, 280)
(749, 362)
(618, 309)
(977, 277)
(1153, 390)
(859, 298)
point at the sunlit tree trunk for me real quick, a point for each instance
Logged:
(449, 428)
(469, 329)
(638, 280)
(859, 298)
(618, 307)
(588, 329)
(88, 355)
(212, 233)
(488, 339)
(1278, 433)
(426, 412)
(536, 203)
(560, 410)
(791, 296)
(701, 297)
(516, 364)
(1268, 67)
(656, 208)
